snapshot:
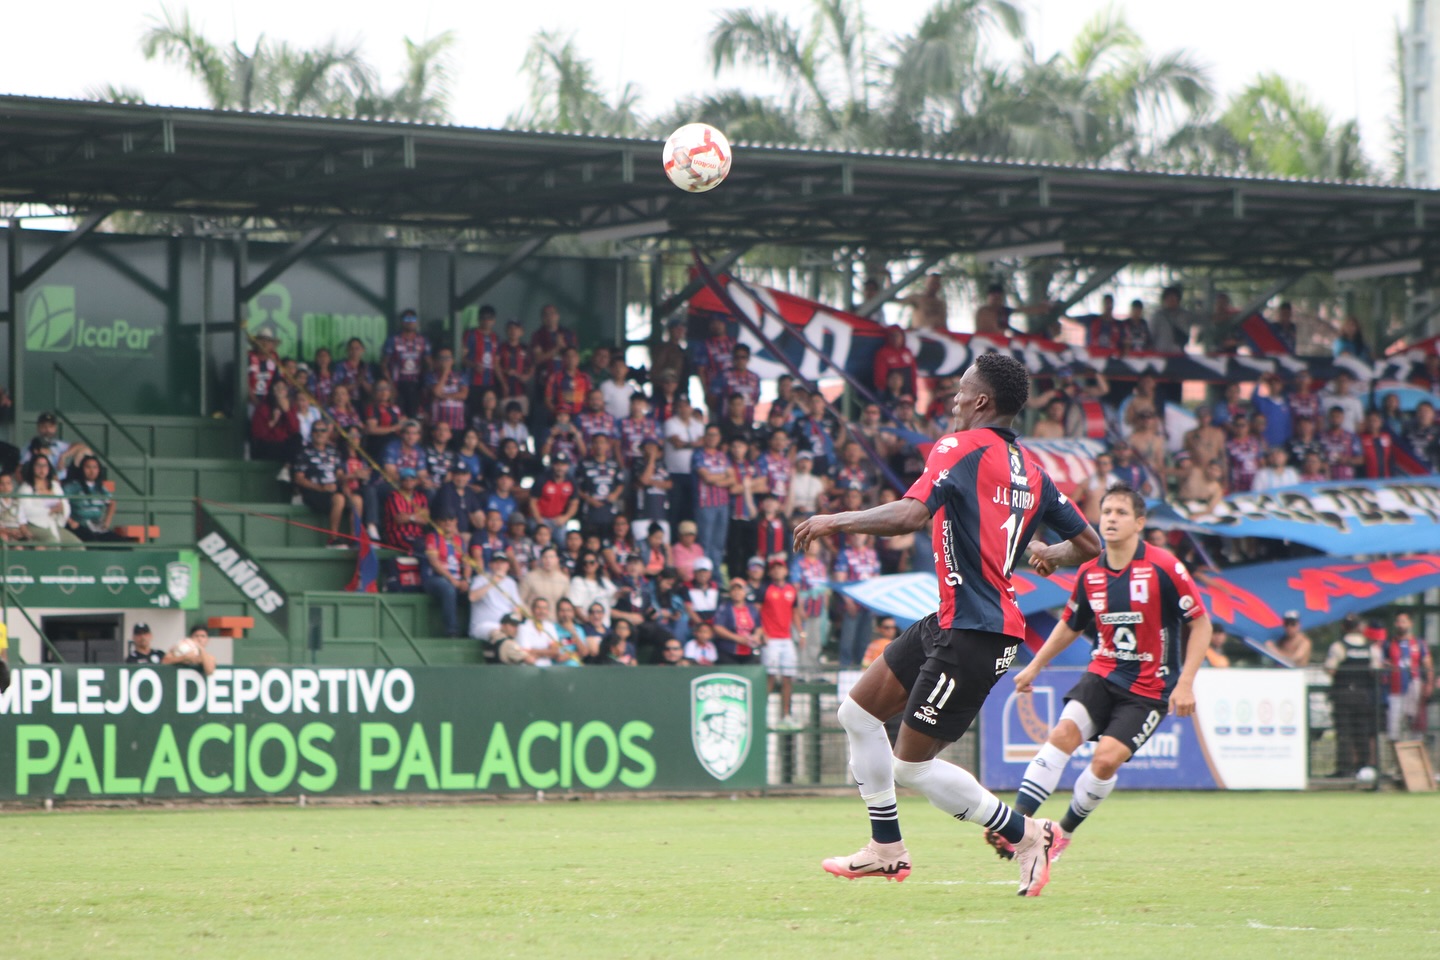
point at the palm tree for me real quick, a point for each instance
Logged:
(1107, 99)
(827, 69)
(1282, 131)
(942, 94)
(331, 79)
(566, 96)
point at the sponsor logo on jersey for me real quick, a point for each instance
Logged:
(1130, 655)
(1017, 469)
(947, 547)
(1097, 602)
(1124, 617)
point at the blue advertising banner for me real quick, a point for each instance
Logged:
(1249, 732)
(1340, 518)
(1013, 726)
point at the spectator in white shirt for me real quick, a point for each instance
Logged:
(1276, 473)
(1339, 395)
(805, 488)
(492, 595)
(618, 389)
(700, 649)
(538, 635)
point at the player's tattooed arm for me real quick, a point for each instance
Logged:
(1046, 558)
(887, 520)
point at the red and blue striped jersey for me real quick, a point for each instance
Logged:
(987, 497)
(1137, 615)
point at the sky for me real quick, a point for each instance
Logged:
(1341, 56)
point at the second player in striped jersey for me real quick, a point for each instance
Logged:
(1151, 634)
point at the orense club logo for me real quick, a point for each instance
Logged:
(720, 722)
(177, 580)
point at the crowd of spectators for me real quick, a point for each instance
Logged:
(569, 510)
(53, 492)
(613, 511)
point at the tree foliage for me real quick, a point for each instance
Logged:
(332, 79)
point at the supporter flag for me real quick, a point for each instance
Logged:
(1178, 422)
(1262, 336)
(1406, 462)
(367, 563)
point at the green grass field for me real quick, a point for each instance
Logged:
(1191, 875)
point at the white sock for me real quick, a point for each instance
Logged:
(870, 765)
(954, 790)
(1041, 776)
(1089, 791)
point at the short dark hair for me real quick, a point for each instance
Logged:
(1008, 380)
(1137, 502)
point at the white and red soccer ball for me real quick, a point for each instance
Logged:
(697, 157)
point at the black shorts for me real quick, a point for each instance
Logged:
(317, 500)
(1118, 713)
(948, 673)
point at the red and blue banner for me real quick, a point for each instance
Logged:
(1249, 601)
(852, 342)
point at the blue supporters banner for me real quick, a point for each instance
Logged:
(1339, 517)
(1249, 601)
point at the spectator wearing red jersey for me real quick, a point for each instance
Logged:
(407, 511)
(444, 569)
(739, 380)
(555, 502)
(715, 354)
(780, 619)
(551, 342)
(262, 366)
(274, 429)
(1377, 446)
(356, 372)
(406, 356)
(895, 355)
(857, 563)
(594, 419)
(482, 360)
(568, 388)
(517, 364)
(447, 391)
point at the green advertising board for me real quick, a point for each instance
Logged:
(83, 733)
(168, 579)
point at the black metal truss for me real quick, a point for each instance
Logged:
(509, 185)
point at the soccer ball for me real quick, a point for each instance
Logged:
(697, 158)
(1365, 775)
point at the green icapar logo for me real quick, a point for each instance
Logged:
(50, 322)
(53, 325)
(720, 722)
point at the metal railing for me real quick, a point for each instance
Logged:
(62, 376)
(414, 648)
